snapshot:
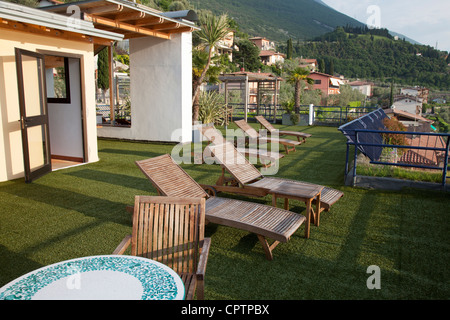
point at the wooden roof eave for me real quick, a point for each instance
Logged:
(129, 19)
(124, 27)
(52, 32)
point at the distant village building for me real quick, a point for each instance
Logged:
(439, 100)
(268, 54)
(263, 43)
(225, 46)
(269, 57)
(412, 122)
(362, 86)
(408, 103)
(310, 64)
(419, 92)
(328, 84)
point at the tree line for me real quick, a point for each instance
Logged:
(368, 55)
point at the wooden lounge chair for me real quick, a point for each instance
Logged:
(265, 221)
(247, 180)
(271, 129)
(267, 158)
(253, 134)
(172, 231)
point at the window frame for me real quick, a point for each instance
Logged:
(66, 99)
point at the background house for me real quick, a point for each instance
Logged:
(263, 43)
(418, 92)
(269, 57)
(362, 86)
(413, 122)
(226, 45)
(328, 84)
(310, 64)
(411, 104)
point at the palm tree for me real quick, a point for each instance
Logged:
(297, 76)
(213, 30)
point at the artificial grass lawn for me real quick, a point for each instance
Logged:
(80, 211)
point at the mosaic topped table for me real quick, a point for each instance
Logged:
(107, 277)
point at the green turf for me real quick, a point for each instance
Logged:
(81, 211)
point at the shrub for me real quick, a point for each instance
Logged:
(211, 108)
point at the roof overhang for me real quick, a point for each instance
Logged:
(130, 19)
(25, 19)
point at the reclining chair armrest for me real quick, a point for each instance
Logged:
(122, 247)
(201, 269)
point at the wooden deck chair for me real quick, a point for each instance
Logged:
(265, 221)
(171, 230)
(253, 134)
(246, 179)
(271, 129)
(267, 158)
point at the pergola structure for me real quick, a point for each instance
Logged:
(266, 83)
(131, 19)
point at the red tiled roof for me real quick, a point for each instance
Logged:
(423, 157)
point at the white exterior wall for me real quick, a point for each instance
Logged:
(11, 154)
(160, 91)
(408, 105)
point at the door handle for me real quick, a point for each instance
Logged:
(23, 122)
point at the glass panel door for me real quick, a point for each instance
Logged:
(33, 113)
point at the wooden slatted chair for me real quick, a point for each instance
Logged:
(246, 179)
(171, 230)
(271, 129)
(265, 221)
(267, 158)
(289, 145)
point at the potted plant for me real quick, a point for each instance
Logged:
(290, 117)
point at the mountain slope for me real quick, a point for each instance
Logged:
(279, 20)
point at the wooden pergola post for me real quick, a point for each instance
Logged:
(246, 89)
(258, 97)
(275, 101)
(226, 105)
(111, 84)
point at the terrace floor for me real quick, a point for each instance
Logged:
(80, 211)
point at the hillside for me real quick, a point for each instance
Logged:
(279, 20)
(378, 57)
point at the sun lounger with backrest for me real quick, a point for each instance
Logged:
(247, 180)
(265, 221)
(267, 157)
(253, 134)
(271, 129)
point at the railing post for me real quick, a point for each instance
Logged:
(444, 171)
(346, 163)
(354, 163)
(311, 115)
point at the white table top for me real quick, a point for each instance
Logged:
(108, 277)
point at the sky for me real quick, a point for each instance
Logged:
(427, 22)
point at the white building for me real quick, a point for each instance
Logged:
(53, 48)
(160, 50)
(363, 87)
(409, 104)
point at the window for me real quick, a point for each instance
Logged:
(57, 79)
(317, 81)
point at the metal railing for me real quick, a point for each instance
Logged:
(403, 161)
(335, 115)
(323, 115)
